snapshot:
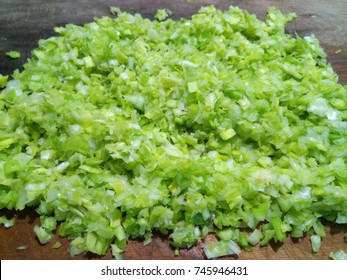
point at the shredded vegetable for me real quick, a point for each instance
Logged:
(339, 255)
(3, 81)
(6, 222)
(316, 242)
(125, 127)
(13, 54)
(162, 14)
(56, 245)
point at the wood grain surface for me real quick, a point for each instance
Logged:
(24, 22)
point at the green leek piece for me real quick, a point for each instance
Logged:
(13, 54)
(315, 242)
(56, 245)
(339, 255)
(6, 222)
(3, 81)
(221, 248)
(162, 14)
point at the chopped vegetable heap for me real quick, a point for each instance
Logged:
(125, 127)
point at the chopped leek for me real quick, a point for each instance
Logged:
(221, 248)
(339, 255)
(162, 14)
(316, 241)
(128, 126)
(13, 54)
(6, 222)
(56, 245)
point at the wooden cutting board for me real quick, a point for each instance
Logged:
(24, 22)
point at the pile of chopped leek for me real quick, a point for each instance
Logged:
(125, 127)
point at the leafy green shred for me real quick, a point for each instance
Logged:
(162, 14)
(13, 54)
(3, 81)
(117, 252)
(43, 235)
(316, 241)
(221, 248)
(56, 245)
(6, 222)
(339, 255)
(115, 11)
(127, 126)
(255, 237)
